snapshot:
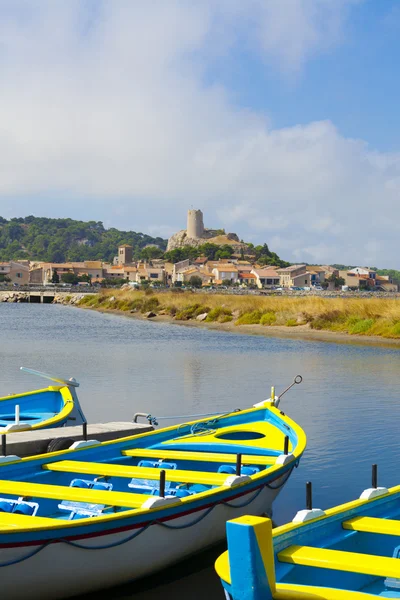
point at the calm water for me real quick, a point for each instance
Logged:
(348, 403)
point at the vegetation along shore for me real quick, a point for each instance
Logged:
(306, 317)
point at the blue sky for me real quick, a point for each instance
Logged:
(279, 119)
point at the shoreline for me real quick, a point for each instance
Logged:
(299, 332)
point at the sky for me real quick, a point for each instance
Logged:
(277, 118)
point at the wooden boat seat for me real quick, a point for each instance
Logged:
(110, 470)
(60, 492)
(13, 521)
(373, 525)
(339, 560)
(217, 457)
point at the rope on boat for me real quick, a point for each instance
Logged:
(153, 420)
(282, 483)
(22, 558)
(107, 546)
(137, 533)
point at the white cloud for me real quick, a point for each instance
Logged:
(105, 115)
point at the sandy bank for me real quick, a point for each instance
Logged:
(300, 332)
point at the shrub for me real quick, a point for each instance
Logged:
(149, 304)
(327, 319)
(216, 313)
(188, 312)
(195, 281)
(395, 330)
(291, 323)
(361, 326)
(268, 318)
(201, 310)
(225, 319)
(249, 318)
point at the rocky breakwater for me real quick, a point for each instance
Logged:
(72, 298)
(14, 296)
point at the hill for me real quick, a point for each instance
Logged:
(60, 240)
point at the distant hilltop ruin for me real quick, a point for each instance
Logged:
(196, 234)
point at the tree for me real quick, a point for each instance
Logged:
(113, 282)
(195, 281)
(85, 277)
(55, 278)
(151, 252)
(337, 281)
(227, 282)
(4, 278)
(70, 278)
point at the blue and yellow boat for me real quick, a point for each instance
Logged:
(43, 408)
(103, 514)
(350, 552)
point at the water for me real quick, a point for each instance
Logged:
(348, 403)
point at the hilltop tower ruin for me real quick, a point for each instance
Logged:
(195, 225)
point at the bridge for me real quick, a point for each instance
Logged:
(41, 294)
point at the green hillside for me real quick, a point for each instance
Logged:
(60, 240)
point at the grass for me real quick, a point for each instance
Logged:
(355, 316)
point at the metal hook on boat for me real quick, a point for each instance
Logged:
(151, 420)
(298, 379)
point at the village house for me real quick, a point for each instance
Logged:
(16, 272)
(178, 269)
(363, 277)
(320, 273)
(294, 276)
(225, 271)
(266, 277)
(247, 279)
(42, 273)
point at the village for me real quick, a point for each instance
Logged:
(197, 273)
(241, 270)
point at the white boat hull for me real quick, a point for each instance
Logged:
(61, 570)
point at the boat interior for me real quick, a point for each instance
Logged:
(176, 463)
(355, 548)
(34, 407)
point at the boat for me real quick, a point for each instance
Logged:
(44, 408)
(349, 552)
(104, 514)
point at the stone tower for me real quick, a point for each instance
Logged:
(195, 225)
(124, 254)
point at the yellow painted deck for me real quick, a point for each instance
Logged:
(272, 437)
